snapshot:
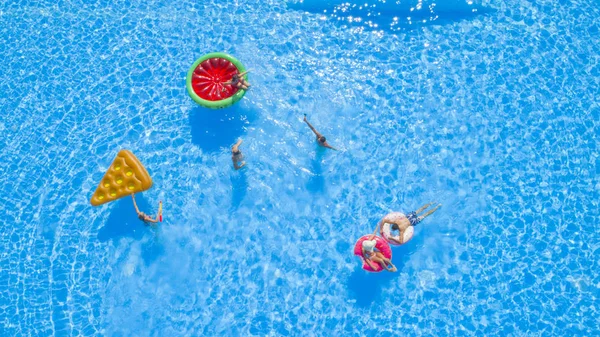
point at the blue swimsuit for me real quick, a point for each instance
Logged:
(413, 218)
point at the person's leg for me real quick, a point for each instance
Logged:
(430, 212)
(384, 262)
(381, 257)
(423, 208)
(379, 261)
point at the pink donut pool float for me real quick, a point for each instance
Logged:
(386, 231)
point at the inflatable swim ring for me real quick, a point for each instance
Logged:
(205, 80)
(381, 246)
(386, 230)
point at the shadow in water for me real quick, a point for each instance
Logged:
(239, 186)
(366, 287)
(316, 182)
(123, 222)
(213, 130)
(391, 16)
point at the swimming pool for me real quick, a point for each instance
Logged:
(495, 115)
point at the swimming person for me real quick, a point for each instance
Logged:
(148, 221)
(238, 81)
(320, 138)
(237, 156)
(398, 228)
(371, 255)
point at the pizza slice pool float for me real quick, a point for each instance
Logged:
(126, 175)
(206, 80)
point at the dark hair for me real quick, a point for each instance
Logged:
(395, 227)
(322, 139)
(141, 215)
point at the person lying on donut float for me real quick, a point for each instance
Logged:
(372, 255)
(397, 228)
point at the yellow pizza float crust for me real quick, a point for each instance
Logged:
(126, 175)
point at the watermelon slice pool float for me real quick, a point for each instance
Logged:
(206, 78)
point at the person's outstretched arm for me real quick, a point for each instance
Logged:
(312, 128)
(134, 204)
(375, 231)
(401, 236)
(159, 212)
(235, 147)
(329, 146)
(244, 73)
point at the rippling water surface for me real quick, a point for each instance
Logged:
(494, 113)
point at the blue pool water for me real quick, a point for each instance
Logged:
(493, 113)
